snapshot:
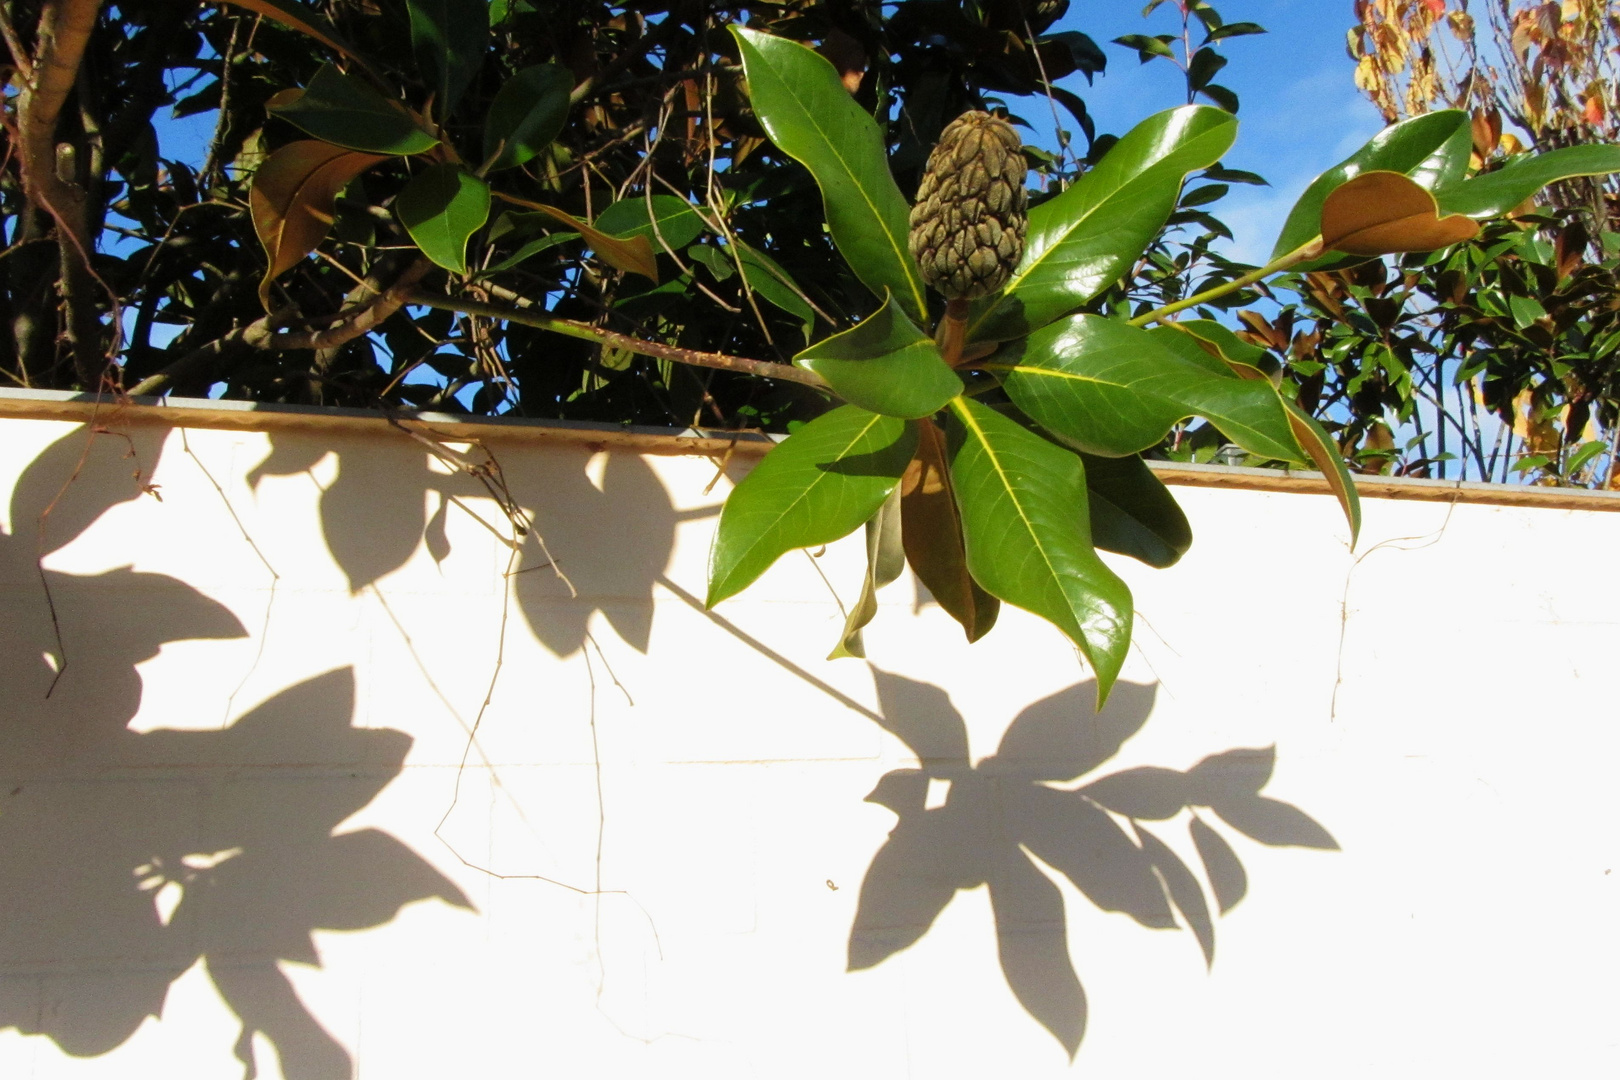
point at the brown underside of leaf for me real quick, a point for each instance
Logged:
(294, 198)
(633, 256)
(1324, 458)
(931, 529)
(291, 18)
(1385, 213)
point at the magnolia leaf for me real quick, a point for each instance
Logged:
(344, 111)
(884, 364)
(770, 281)
(1219, 344)
(302, 18)
(932, 534)
(1427, 147)
(1385, 213)
(441, 208)
(633, 256)
(1112, 389)
(527, 114)
(529, 251)
(1132, 513)
(449, 38)
(1025, 528)
(817, 486)
(885, 559)
(1496, 193)
(678, 222)
(1082, 241)
(294, 198)
(803, 106)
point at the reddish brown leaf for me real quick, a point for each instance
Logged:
(1382, 213)
(294, 197)
(931, 530)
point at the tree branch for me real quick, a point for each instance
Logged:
(585, 332)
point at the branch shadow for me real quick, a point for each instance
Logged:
(1002, 820)
(126, 857)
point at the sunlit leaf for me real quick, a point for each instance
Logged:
(884, 364)
(802, 104)
(1385, 213)
(1024, 523)
(817, 486)
(1112, 389)
(294, 197)
(885, 560)
(933, 536)
(678, 222)
(1496, 193)
(528, 112)
(633, 255)
(1432, 148)
(441, 208)
(1087, 238)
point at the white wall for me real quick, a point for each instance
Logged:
(251, 804)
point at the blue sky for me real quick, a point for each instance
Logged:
(1301, 112)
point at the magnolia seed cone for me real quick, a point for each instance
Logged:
(967, 229)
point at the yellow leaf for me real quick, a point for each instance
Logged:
(294, 198)
(1382, 213)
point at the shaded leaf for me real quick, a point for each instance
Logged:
(300, 17)
(1132, 513)
(529, 251)
(1227, 878)
(294, 197)
(1385, 213)
(884, 364)
(885, 559)
(527, 114)
(449, 38)
(817, 486)
(932, 535)
(802, 104)
(441, 208)
(1112, 389)
(1087, 238)
(1025, 527)
(773, 283)
(344, 111)
(677, 222)
(1496, 193)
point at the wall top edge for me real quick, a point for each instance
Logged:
(254, 416)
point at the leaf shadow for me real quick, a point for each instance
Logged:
(1003, 819)
(128, 856)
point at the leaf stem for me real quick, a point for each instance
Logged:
(586, 332)
(1300, 254)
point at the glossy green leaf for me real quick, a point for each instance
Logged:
(1497, 193)
(819, 485)
(771, 282)
(884, 364)
(448, 38)
(932, 535)
(527, 113)
(529, 251)
(885, 559)
(1425, 147)
(1028, 537)
(633, 254)
(678, 222)
(1132, 513)
(344, 111)
(441, 208)
(804, 108)
(1112, 389)
(1087, 238)
(1219, 344)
